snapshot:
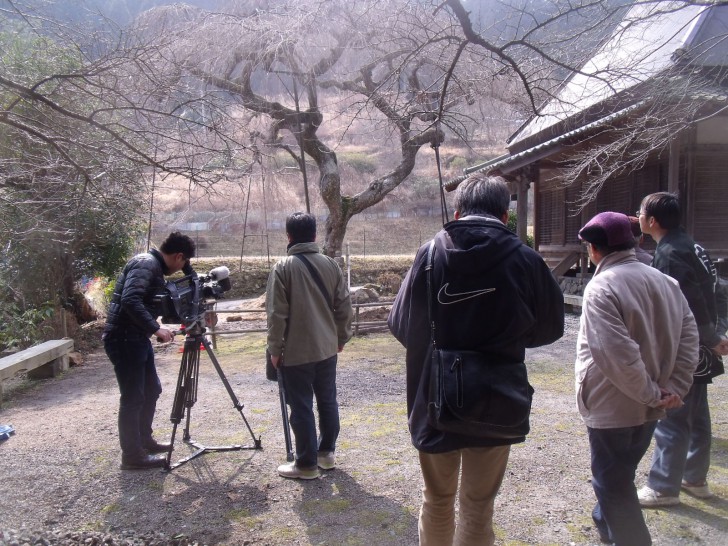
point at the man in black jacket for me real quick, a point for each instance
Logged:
(491, 294)
(130, 322)
(682, 439)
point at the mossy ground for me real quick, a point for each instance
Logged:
(60, 470)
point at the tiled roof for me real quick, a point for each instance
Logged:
(644, 44)
(508, 162)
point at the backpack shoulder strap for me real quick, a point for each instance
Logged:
(317, 279)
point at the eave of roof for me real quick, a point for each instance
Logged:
(507, 163)
(683, 27)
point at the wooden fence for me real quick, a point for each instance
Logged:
(359, 327)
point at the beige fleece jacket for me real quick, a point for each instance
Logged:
(636, 334)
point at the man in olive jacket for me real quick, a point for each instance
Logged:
(309, 321)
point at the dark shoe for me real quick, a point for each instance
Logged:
(600, 526)
(152, 446)
(142, 462)
(604, 539)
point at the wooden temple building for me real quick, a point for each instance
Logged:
(667, 71)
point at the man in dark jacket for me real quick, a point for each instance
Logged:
(491, 294)
(130, 322)
(682, 440)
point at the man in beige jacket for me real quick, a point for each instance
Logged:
(309, 319)
(636, 352)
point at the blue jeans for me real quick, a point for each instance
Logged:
(682, 444)
(615, 454)
(133, 359)
(302, 382)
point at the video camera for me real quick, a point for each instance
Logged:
(184, 301)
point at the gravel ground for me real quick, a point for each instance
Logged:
(61, 482)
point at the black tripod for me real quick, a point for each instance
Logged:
(186, 395)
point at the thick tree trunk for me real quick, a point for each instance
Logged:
(330, 190)
(343, 208)
(335, 233)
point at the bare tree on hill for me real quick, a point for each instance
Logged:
(297, 65)
(203, 94)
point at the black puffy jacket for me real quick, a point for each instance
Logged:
(491, 294)
(678, 256)
(132, 309)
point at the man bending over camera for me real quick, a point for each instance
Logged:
(130, 322)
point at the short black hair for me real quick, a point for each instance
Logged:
(664, 207)
(178, 242)
(301, 227)
(483, 194)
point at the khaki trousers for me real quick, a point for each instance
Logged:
(482, 473)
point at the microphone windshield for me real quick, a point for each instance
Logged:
(219, 273)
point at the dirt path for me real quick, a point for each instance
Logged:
(60, 472)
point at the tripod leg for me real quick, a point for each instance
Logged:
(236, 403)
(185, 394)
(192, 348)
(168, 461)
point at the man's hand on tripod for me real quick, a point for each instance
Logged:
(164, 335)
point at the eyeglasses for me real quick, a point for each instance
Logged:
(639, 213)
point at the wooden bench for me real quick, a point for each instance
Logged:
(572, 303)
(40, 361)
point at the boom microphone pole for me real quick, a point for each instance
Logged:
(284, 414)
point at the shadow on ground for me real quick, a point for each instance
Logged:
(337, 510)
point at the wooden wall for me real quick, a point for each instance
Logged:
(707, 207)
(558, 223)
(703, 189)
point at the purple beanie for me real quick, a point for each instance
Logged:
(608, 229)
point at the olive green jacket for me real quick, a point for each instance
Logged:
(316, 332)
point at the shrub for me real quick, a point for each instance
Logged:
(99, 292)
(20, 327)
(359, 161)
(284, 160)
(389, 283)
(513, 225)
(459, 163)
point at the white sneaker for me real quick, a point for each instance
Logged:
(699, 491)
(290, 470)
(326, 460)
(649, 498)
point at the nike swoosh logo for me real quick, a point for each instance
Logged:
(446, 298)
